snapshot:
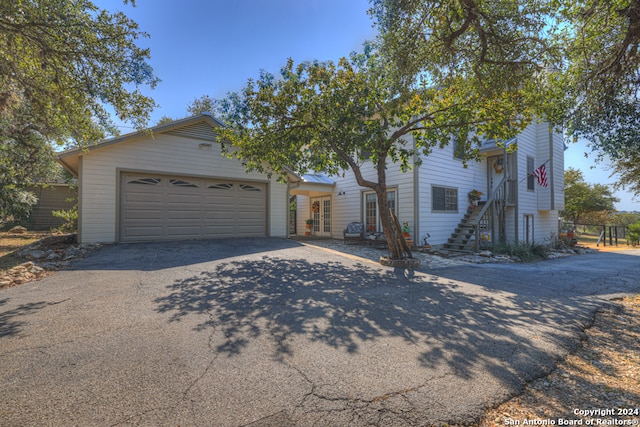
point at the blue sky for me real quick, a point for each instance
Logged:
(201, 47)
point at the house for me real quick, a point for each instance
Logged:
(170, 183)
(432, 197)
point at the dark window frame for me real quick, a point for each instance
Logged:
(444, 199)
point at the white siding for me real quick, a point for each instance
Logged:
(303, 213)
(348, 206)
(442, 169)
(162, 154)
(558, 171)
(542, 203)
(527, 199)
(277, 209)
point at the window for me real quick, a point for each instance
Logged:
(371, 212)
(458, 149)
(528, 229)
(444, 199)
(222, 186)
(181, 183)
(246, 187)
(145, 181)
(530, 176)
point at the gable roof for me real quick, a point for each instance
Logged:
(196, 127)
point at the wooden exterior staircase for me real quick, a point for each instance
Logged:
(461, 239)
(487, 216)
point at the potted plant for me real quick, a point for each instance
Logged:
(406, 233)
(474, 196)
(307, 231)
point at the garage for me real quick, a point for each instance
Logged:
(164, 207)
(173, 181)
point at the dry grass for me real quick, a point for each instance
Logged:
(603, 374)
(591, 240)
(10, 243)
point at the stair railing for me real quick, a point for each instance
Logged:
(496, 195)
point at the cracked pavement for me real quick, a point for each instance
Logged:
(269, 332)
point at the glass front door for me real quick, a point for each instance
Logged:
(321, 215)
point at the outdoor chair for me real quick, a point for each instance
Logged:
(354, 233)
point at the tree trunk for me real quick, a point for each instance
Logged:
(387, 228)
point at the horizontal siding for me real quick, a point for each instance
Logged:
(278, 208)
(442, 169)
(544, 154)
(303, 213)
(162, 154)
(348, 196)
(558, 171)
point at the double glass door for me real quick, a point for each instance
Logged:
(321, 215)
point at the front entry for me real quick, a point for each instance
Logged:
(321, 215)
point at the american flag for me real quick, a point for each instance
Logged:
(541, 174)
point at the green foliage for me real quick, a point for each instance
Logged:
(24, 160)
(500, 46)
(352, 115)
(633, 234)
(526, 252)
(628, 170)
(576, 62)
(582, 197)
(70, 216)
(602, 40)
(625, 219)
(16, 205)
(165, 120)
(204, 104)
(62, 63)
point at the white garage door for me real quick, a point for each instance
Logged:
(161, 207)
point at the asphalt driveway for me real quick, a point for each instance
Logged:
(269, 332)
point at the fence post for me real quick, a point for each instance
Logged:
(610, 237)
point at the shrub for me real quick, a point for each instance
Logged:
(633, 234)
(70, 216)
(525, 251)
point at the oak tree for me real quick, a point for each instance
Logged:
(352, 115)
(64, 65)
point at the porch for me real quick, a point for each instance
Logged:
(311, 215)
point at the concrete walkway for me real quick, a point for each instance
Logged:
(270, 332)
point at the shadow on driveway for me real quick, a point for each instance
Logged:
(151, 256)
(10, 324)
(344, 306)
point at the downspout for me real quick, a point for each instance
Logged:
(80, 200)
(516, 201)
(551, 178)
(416, 198)
(507, 196)
(290, 186)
